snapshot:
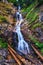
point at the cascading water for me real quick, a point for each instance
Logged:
(22, 44)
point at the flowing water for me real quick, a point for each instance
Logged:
(22, 44)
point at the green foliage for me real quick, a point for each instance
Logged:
(29, 8)
(3, 44)
(2, 18)
(40, 1)
(41, 51)
(32, 14)
(32, 17)
(36, 25)
(25, 3)
(37, 43)
(13, 1)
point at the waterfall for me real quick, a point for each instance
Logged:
(22, 44)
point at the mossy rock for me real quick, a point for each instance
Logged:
(3, 44)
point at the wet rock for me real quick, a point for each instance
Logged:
(8, 62)
(41, 39)
(39, 32)
(1, 58)
(15, 40)
(3, 52)
(41, 17)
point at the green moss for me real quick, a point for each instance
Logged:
(33, 18)
(2, 18)
(41, 51)
(36, 25)
(28, 9)
(3, 44)
(36, 42)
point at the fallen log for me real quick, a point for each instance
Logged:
(16, 59)
(37, 52)
(19, 57)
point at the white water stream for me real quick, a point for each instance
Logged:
(22, 44)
